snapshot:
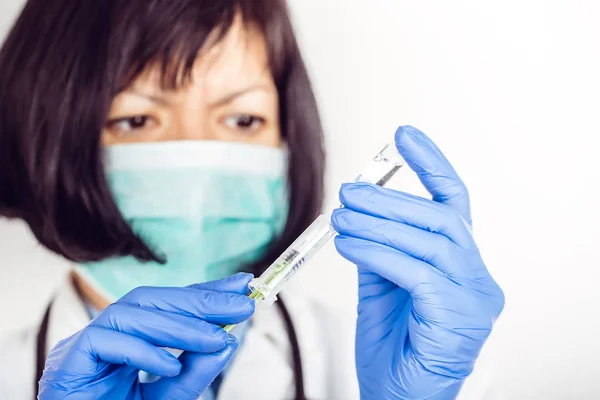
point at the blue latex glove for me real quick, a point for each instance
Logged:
(426, 300)
(103, 360)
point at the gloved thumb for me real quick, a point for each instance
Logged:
(435, 172)
(237, 283)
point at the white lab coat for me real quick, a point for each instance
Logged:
(260, 370)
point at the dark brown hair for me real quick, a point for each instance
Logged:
(61, 66)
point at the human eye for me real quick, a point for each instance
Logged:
(244, 122)
(130, 125)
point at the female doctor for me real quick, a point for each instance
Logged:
(164, 147)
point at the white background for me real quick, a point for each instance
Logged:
(510, 91)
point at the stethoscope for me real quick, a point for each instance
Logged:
(293, 338)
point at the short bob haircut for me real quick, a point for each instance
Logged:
(61, 66)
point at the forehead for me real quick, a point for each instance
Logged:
(237, 61)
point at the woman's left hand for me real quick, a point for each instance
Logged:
(426, 300)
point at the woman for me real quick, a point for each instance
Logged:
(164, 146)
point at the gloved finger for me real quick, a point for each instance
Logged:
(214, 307)
(432, 248)
(163, 329)
(377, 296)
(197, 373)
(96, 344)
(407, 208)
(435, 172)
(395, 266)
(237, 283)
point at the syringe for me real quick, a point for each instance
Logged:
(266, 287)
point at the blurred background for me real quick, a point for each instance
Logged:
(510, 91)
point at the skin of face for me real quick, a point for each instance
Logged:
(231, 97)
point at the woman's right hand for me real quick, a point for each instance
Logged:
(102, 361)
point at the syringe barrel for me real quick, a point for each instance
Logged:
(266, 287)
(379, 170)
(270, 283)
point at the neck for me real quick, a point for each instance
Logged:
(87, 293)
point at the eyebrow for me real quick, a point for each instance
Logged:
(153, 98)
(232, 96)
(219, 102)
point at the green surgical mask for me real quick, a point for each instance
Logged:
(209, 208)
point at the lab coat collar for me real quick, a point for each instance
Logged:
(67, 314)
